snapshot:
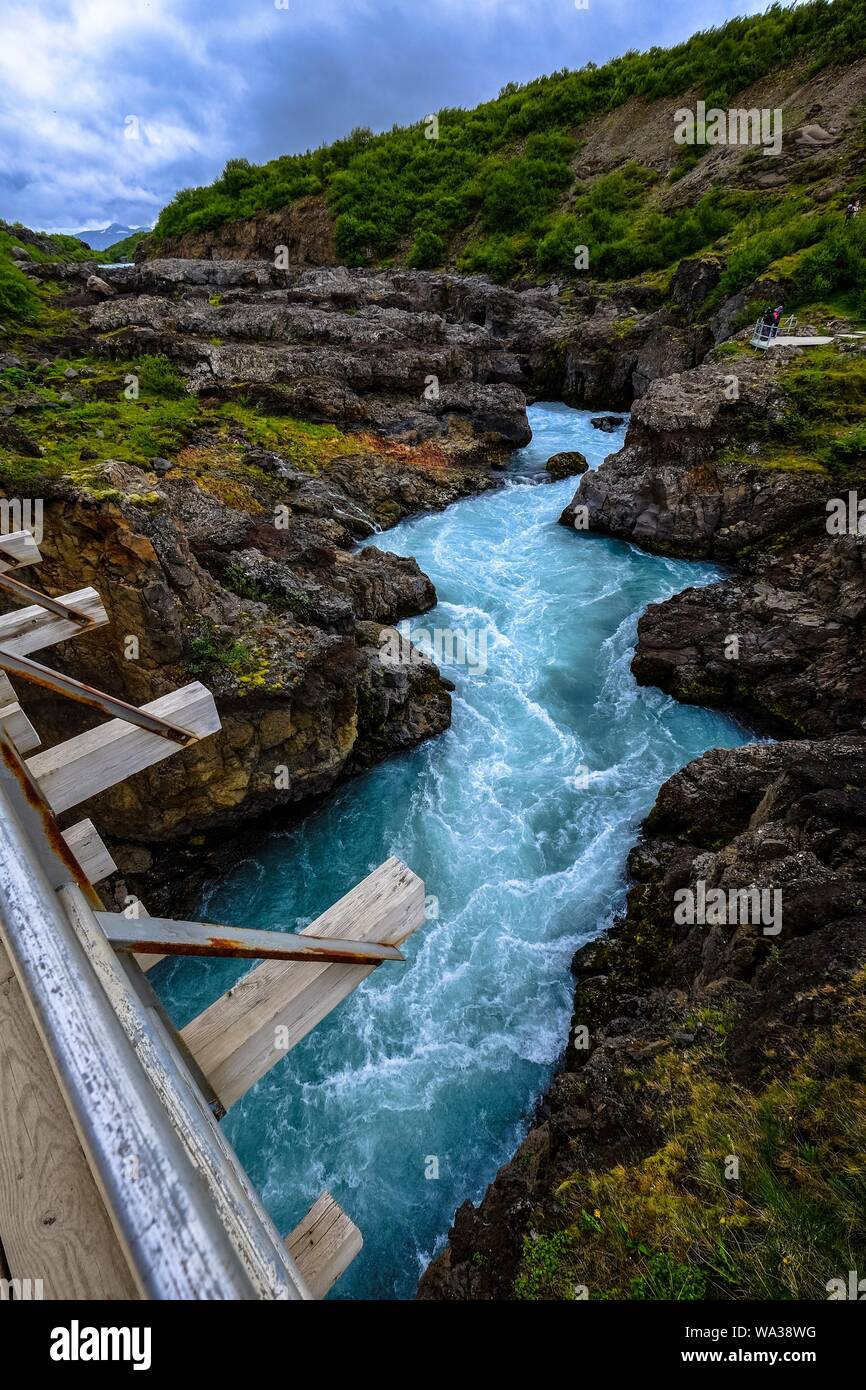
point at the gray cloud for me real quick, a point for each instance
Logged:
(107, 108)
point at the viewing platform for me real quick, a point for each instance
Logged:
(116, 1181)
(766, 336)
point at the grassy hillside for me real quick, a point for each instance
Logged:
(122, 250)
(496, 192)
(22, 302)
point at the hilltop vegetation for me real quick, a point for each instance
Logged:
(20, 301)
(122, 250)
(495, 192)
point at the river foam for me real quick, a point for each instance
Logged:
(519, 819)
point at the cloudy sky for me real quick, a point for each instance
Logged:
(107, 107)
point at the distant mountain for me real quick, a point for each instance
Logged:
(98, 241)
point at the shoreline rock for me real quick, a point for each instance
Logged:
(737, 1007)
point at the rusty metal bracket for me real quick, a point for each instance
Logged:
(163, 936)
(52, 605)
(60, 684)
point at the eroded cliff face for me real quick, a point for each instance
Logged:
(703, 474)
(690, 480)
(287, 627)
(305, 228)
(352, 344)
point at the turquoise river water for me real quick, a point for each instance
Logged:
(519, 819)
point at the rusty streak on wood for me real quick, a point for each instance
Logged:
(36, 804)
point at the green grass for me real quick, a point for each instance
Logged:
(208, 439)
(825, 411)
(673, 1225)
(23, 303)
(122, 250)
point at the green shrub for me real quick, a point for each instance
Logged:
(838, 263)
(428, 250)
(159, 377)
(19, 302)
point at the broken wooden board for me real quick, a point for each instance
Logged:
(324, 1244)
(16, 549)
(82, 767)
(21, 731)
(236, 1040)
(86, 844)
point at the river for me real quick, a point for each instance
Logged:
(407, 1099)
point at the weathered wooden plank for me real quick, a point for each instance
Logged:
(21, 731)
(246, 1031)
(53, 1224)
(27, 630)
(173, 938)
(16, 549)
(186, 1166)
(86, 844)
(86, 765)
(324, 1244)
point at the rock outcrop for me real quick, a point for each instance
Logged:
(786, 643)
(580, 344)
(285, 625)
(305, 229)
(685, 483)
(414, 357)
(566, 465)
(700, 475)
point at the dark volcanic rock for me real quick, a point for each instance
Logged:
(694, 281)
(413, 357)
(566, 465)
(393, 330)
(684, 483)
(788, 643)
(606, 423)
(12, 436)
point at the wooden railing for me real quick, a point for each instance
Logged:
(144, 1100)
